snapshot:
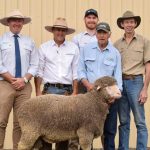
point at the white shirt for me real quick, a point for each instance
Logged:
(83, 38)
(28, 53)
(58, 64)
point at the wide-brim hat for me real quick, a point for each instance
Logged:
(15, 14)
(60, 23)
(128, 15)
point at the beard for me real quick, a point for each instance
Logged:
(91, 27)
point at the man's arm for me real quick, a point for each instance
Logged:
(7, 76)
(143, 93)
(19, 83)
(75, 87)
(88, 85)
(38, 82)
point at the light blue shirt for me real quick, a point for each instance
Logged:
(83, 38)
(95, 63)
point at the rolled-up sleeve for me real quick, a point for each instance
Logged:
(146, 50)
(75, 64)
(41, 65)
(34, 60)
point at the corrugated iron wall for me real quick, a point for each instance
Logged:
(44, 12)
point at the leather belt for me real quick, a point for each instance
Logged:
(58, 85)
(130, 77)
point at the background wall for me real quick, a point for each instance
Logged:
(44, 12)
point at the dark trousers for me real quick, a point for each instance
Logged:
(61, 91)
(59, 146)
(110, 127)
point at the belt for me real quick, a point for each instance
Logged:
(58, 85)
(130, 77)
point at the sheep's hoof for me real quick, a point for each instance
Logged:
(21, 147)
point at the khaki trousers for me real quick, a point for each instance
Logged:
(10, 98)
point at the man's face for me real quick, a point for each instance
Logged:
(102, 37)
(15, 25)
(59, 34)
(129, 25)
(91, 22)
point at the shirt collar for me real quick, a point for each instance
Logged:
(86, 33)
(54, 43)
(134, 37)
(105, 49)
(12, 34)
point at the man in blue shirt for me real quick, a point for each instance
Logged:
(100, 59)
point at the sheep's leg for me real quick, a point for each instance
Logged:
(27, 140)
(85, 139)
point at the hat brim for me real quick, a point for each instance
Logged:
(91, 13)
(4, 21)
(101, 29)
(50, 29)
(120, 20)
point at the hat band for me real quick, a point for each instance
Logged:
(60, 26)
(18, 16)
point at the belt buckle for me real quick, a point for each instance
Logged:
(133, 77)
(61, 85)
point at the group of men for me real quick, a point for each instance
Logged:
(61, 65)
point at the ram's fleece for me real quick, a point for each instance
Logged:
(56, 118)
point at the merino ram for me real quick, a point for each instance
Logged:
(57, 118)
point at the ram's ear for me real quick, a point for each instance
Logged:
(98, 88)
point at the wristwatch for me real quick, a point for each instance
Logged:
(25, 80)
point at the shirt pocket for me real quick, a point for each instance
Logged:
(6, 50)
(68, 58)
(137, 55)
(6, 46)
(28, 49)
(90, 63)
(109, 66)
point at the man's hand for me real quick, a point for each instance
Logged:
(89, 87)
(74, 93)
(18, 83)
(87, 84)
(143, 96)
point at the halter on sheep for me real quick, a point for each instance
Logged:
(58, 118)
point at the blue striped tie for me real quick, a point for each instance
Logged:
(18, 58)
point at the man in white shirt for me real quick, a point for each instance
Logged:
(58, 62)
(18, 63)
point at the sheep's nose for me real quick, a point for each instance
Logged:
(118, 94)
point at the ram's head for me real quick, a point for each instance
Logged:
(108, 88)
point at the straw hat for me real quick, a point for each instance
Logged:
(127, 15)
(60, 23)
(15, 14)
